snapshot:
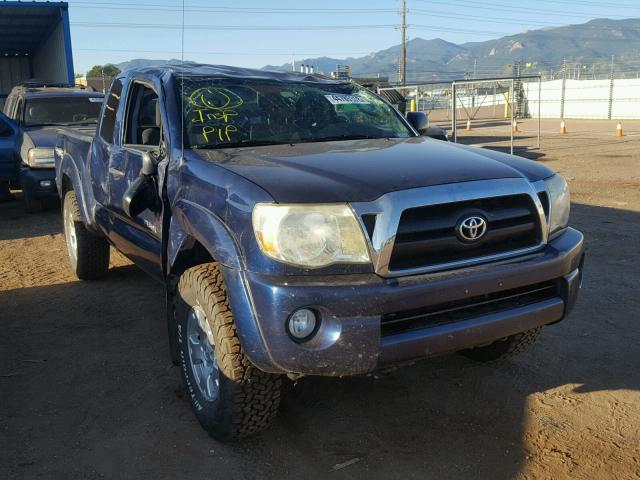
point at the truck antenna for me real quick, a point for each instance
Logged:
(182, 88)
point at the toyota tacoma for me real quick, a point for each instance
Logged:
(301, 226)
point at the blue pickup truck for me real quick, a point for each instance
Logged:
(301, 226)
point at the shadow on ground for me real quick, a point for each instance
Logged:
(89, 391)
(15, 223)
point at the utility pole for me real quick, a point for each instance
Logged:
(404, 43)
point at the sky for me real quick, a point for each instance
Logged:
(254, 33)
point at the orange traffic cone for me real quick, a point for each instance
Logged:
(514, 127)
(563, 129)
(469, 124)
(619, 132)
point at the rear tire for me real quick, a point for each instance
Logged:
(88, 253)
(230, 397)
(504, 348)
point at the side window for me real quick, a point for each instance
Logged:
(143, 123)
(108, 124)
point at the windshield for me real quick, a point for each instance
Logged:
(63, 111)
(231, 113)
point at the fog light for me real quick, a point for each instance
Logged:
(45, 183)
(302, 323)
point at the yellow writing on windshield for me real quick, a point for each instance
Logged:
(214, 108)
(221, 132)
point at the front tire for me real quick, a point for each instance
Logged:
(504, 348)
(88, 253)
(230, 397)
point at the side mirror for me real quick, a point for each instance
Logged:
(419, 121)
(142, 193)
(149, 164)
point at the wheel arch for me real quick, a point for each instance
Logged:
(196, 236)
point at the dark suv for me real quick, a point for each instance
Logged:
(37, 111)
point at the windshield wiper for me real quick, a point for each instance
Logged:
(334, 138)
(83, 122)
(243, 143)
(44, 125)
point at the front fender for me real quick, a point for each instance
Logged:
(191, 222)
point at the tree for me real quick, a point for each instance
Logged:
(109, 70)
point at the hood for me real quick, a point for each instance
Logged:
(42, 137)
(45, 137)
(363, 170)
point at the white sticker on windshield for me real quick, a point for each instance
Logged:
(96, 99)
(343, 99)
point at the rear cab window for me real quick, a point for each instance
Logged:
(108, 124)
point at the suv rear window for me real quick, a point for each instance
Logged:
(61, 111)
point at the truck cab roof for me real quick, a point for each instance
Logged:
(192, 69)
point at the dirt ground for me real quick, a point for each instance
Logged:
(88, 390)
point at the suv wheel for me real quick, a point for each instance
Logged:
(505, 347)
(231, 397)
(88, 253)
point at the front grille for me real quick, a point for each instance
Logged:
(427, 237)
(466, 309)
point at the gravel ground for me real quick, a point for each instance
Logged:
(88, 390)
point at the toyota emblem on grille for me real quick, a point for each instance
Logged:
(472, 229)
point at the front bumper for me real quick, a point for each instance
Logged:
(349, 339)
(40, 183)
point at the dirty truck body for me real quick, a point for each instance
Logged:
(304, 227)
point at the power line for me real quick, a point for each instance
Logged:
(228, 27)
(503, 7)
(203, 52)
(500, 20)
(221, 9)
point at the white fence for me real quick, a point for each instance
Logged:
(590, 99)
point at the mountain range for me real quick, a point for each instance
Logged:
(590, 45)
(539, 51)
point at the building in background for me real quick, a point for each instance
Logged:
(35, 44)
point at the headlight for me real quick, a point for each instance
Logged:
(309, 235)
(559, 203)
(40, 158)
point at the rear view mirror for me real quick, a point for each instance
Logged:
(142, 193)
(419, 121)
(140, 196)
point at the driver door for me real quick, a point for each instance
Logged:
(140, 237)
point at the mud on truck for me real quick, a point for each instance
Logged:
(301, 226)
